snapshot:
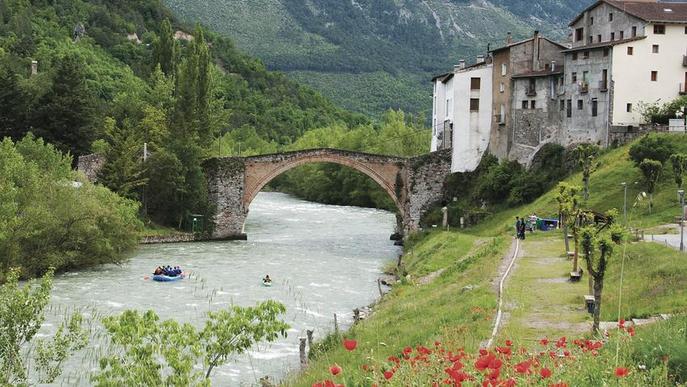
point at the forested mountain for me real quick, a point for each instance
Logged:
(371, 55)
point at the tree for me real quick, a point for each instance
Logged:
(21, 316)
(67, 112)
(571, 217)
(148, 352)
(679, 163)
(586, 154)
(653, 146)
(651, 169)
(123, 171)
(12, 104)
(165, 49)
(597, 246)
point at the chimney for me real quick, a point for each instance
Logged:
(535, 52)
(509, 38)
(480, 58)
(461, 65)
(34, 67)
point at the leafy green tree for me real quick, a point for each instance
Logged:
(679, 163)
(21, 316)
(586, 155)
(12, 104)
(148, 352)
(165, 48)
(651, 170)
(597, 246)
(66, 114)
(653, 146)
(571, 217)
(123, 171)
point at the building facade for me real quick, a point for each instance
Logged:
(462, 116)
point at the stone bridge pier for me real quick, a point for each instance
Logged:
(414, 184)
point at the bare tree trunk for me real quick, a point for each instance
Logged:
(577, 251)
(598, 288)
(565, 238)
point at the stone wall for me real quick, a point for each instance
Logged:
(90, 165)
(427, 176)
(226, 186)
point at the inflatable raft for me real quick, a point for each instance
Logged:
(266, 283)
(166, 278)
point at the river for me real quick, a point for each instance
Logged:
(323, 260)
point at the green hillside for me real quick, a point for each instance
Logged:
(344, 49)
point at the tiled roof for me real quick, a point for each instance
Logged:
(525, 41)
(647, 10)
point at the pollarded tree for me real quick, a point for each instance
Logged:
(598, 241)
(569, 208)
(651, 169)
(586, 155)
(679, 163)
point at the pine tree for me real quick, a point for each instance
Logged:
(12, 103)
(66, 113)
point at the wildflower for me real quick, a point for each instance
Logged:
(509, 343)
(350, 344)
(504, 350)
(561, 343)
(509, 383)
(394, 359)
(523, 368)
(544, 341)
(621, 324)
(545, 373)
(631, 331)
(335, 369)
(388, 375)
(621, 372)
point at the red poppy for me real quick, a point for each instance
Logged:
(523, 368)
(407, 350)
(544, 341)
(483, 352)
(365, 367)
(388, 375)
(335, 369)
(621, 372)
(504, 350)
(631, 331)
(561, 343)
(350, 344)
(621, 324)
(509, 383)
(545, 373)
(509, 343)
(318, 384)
(394, 359)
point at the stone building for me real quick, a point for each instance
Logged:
(462, 116)
(525, 86)
(625, 54)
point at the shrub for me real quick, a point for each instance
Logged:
(652, 146)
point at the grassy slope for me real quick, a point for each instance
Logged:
(457, 307)
(605, 193)
(654, 281)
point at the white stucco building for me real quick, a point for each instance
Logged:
(461, 115)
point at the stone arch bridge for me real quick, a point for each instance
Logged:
(414, 184)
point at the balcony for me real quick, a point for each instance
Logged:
(584, 87)
(531, 92)
(603, 86)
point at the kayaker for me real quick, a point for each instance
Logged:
(267, 279)
(158, 271)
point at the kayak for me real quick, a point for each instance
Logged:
(166, 278)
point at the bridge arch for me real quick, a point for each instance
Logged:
(259, 175)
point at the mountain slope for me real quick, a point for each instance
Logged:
(393, 44)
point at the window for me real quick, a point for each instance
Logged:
(579, 34)
(533, 104)
(628, 108)
(562, 105)
(654, 76)
(612, 35)
(504, 69)
(568, 112)
(634, 31)
(685, 30)
(591, 20)
(574, 56)
(654, 49)
(598, 38)
(595, 107)
(610, 17)
(502, 87)
(630, 51)
(585, 75)
(524, 105)
(591, 39)
(659, 29)
(474, 83)
(580, 104)
(606, 51)
(573, 78)
(585, 55)
(474, 104)
(448, 103)
(502, 115)
(622, 35)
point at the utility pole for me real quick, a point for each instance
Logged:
(682, 219)
(624, 184)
